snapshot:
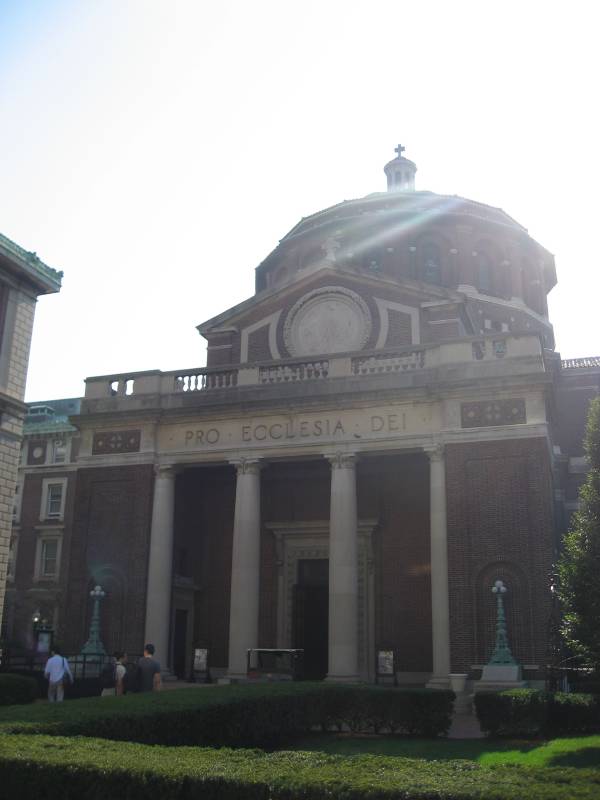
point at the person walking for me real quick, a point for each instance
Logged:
(113, 674)
(57, 671)
(148, 669)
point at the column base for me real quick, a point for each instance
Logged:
(438, 682)
(343, 678)
(234, 677)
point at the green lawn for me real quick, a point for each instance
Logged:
(581, 751)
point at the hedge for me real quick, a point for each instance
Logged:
(57, 768)
(530, 712)
(17, 689)
(248, 716)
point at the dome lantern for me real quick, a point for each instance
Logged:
(400, 173)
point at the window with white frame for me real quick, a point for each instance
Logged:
(53, 498)
(59, 451)
(47, 556)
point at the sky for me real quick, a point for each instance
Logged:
(157, 150)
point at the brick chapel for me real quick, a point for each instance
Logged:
(380, 433)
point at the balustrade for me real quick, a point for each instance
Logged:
(386, 362)
(201, 380)
(402, 360)
(300, 371)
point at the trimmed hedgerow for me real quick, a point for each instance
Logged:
(56, 768)
(248, 716)
(573, 713)
(16, 689)
(530, 712)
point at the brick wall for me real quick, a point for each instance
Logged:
(205, 502)
(500, 525)
(111, 534)
(395, 491)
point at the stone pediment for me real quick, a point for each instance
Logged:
(327, 312)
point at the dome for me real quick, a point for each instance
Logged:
(442, 240)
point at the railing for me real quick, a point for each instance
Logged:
(82, 666)
(398, 361)
(288, 373)
(377, 364)
(201, 380)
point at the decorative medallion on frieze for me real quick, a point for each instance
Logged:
(492, 412)
(36, 452)
(331, 319)
(109, 442)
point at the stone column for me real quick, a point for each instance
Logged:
(343, 571)
(245, 568)
(440, 609)
(160, 564)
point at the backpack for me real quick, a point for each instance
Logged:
(131, 681)
(108, 676)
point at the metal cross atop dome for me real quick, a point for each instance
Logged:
(399, 150)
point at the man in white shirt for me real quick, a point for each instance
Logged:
(57, 669)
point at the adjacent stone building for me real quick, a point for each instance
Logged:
(37, 579)
(23, 277)
(381, 432)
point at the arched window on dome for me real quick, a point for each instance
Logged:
(373, 259)
(532, 287)
(430, 263)
(485, 271)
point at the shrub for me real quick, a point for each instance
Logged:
(64, 769)
(15, 689)
(248, 716)
(573, 713)
(528, 712)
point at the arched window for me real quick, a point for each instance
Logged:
(532, 287)
(516, 605)
(485, 272)
(373, 260)
(430, 263)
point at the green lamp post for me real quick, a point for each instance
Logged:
(501, 654)
(502, 671)
(94, 646)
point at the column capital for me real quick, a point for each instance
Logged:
(168, 471)
(435, 452)
(341, 460)
(247, 466)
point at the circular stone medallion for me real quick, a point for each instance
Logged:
(327, 320)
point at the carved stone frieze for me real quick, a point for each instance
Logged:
(110, 442)
(493, 412)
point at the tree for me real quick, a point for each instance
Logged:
(579, 564)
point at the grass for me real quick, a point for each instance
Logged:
(580, 751)
(59, 768)
(317, 767)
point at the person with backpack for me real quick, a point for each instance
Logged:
(58, 672)
(148, 671)
(112, 677)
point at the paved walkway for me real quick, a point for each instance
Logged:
(465, 726)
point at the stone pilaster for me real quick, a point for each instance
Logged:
(245, 568)
(440, 609)
(160, 564)
(343, 571)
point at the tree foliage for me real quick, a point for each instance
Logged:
(579, 565)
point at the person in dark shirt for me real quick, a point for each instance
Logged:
(148, 670)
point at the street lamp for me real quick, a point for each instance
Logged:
(94, 645)
(42, 633)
